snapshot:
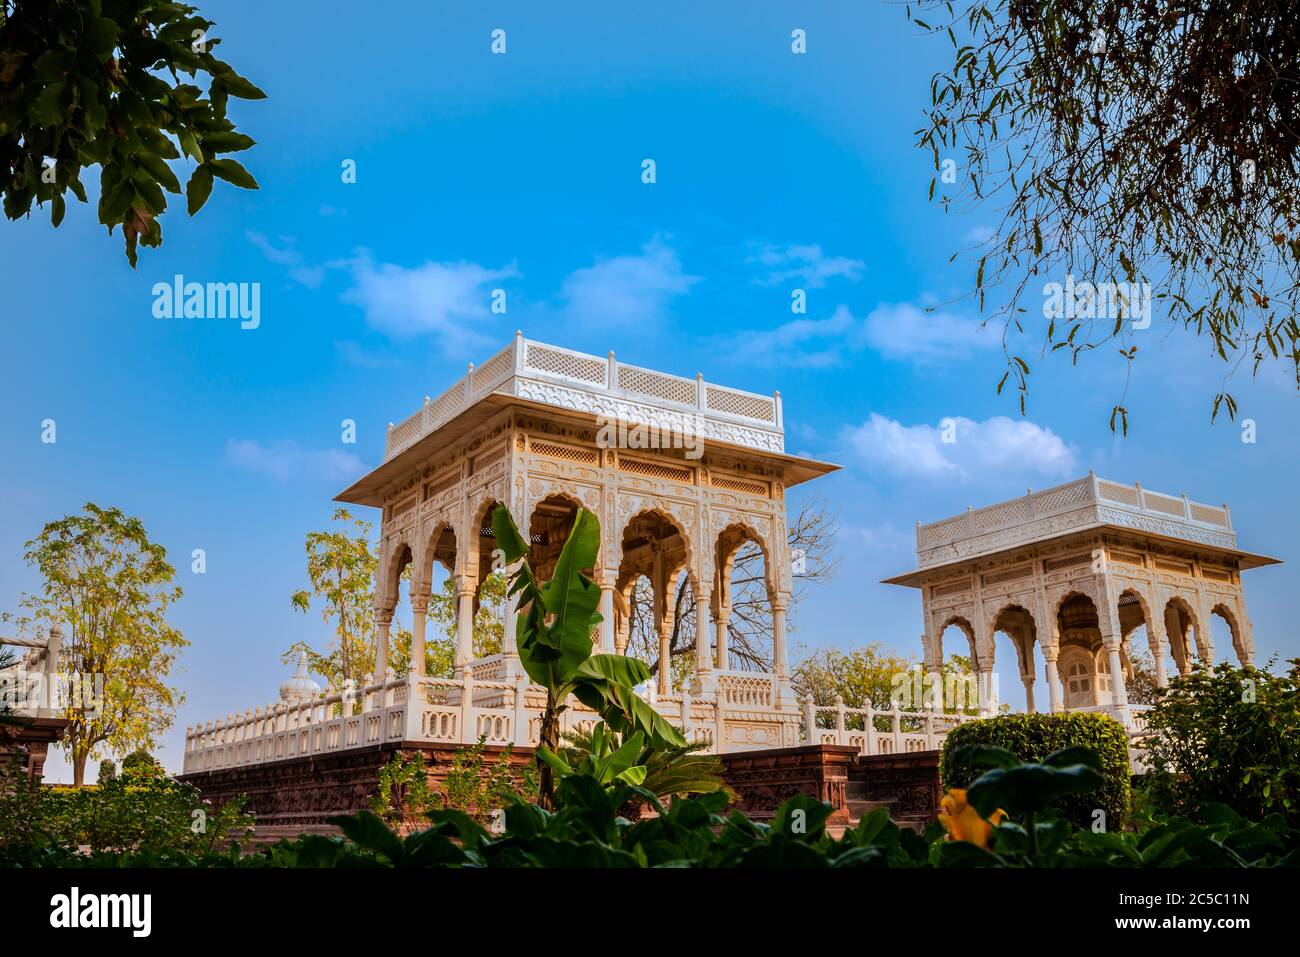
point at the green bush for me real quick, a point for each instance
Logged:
(1228, 736)
(587, 830)
(151, 812)
(140, 764)
(1032, 737)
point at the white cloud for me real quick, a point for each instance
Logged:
(287, 255)
(284, 461)
(979, 451)
(900, 332)
(806, 343)
(448, 300)
(905, 332)
(806, 263)
(626, 291)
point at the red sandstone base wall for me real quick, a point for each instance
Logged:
(298, 795)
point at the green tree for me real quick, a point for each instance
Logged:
(1226, 735)
(1141, 686)
(870, 674)
(341, 566)
(111, 587)
(440, 639)
(97, 83)
(1149, 142)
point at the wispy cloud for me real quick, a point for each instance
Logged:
(961, 449)
(447, 300)
(902, 332)
(286, 461)
(807, 343)
(906, 332)
(287, 255)
(807, 263)
(627, 291)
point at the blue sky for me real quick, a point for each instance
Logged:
(523, 171)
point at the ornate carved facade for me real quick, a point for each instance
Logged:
(679, 471)
(1073, 571)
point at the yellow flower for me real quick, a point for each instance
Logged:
(963, 822)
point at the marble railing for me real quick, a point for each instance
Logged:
(464, 710)
(605, 382)
(904, 731)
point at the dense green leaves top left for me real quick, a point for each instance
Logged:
(100, 83)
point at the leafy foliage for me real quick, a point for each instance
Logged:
(97, 83)
(112, 588)
(588, 829)
(1229, 736)
(1033, 737)
(341, 565)
(870, 674)
(138, 812)
(670, 771)
(1153, 141)
(553, 633)
(471, 786)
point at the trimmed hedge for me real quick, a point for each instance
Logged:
(1032, 737)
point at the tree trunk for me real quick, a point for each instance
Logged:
(79, 758)
(549, 738)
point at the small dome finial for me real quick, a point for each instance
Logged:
(300, 687)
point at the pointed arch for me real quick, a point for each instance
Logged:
(1184, 629)
(732, 538)
(1015, 620)
(1229, 616)
(962, 623)
(398, 554)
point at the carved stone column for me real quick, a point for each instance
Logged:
(1118, 694)
(1054, 691)
(665, 655)
(607, 613)
(988, 705)
(780, 659)
(383, 623)
(703, 660)
(1028, 681)
(419, 618)
(465, 588)
(1157, 643)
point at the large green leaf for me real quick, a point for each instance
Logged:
(571, 599)
(509, 540)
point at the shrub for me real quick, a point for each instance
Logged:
(1230, 736)
(140, 764)
(404, 793)
(587, 829)
(149, 813)
(1032, 737)
(107, 771)
(477, 788)
(472, 785)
